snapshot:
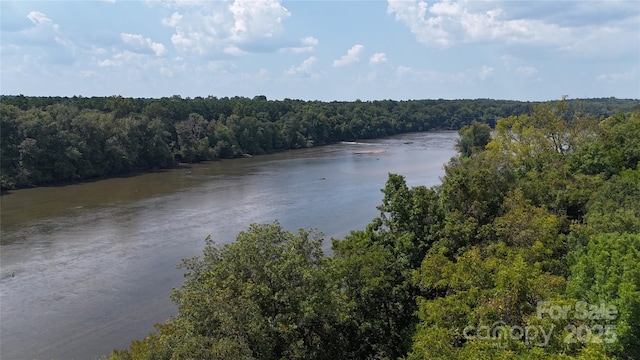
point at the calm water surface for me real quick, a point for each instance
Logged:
(93, 264)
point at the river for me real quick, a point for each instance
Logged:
(86, 268)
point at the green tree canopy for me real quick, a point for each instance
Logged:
(548, 213)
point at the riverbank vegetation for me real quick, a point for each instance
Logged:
(45, 140)
(529, 249)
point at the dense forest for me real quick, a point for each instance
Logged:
(53, 139)
(529, 249)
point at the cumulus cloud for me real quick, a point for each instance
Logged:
(303, 69)
(378, 58)
(201, 27)
(139, 43)
(352, 56)
(132, 54)
(234, 50)
(257, 18)
(42, 29)
(310, 40)
(448, 23)
(44, 38)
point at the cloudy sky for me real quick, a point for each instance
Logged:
(325, 50)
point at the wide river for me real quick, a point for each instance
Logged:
(86, 268)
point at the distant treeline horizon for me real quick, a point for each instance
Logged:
(48, 140)
(79, 96)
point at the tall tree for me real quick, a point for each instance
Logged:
(265, 296)
(473, 138)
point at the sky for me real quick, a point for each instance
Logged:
(322, 50)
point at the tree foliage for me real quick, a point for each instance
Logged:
(265, 296)
(546, 213)
(607, 270)
(473, 138)
(53, 139)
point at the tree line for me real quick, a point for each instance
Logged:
(57, 139)
(529, 249)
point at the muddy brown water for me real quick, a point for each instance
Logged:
(86, 268)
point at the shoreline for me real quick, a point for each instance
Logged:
(183, 165)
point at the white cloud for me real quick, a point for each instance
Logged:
(102, 55)
(139, 43)
(448, 23)
(257, 18)
(303, 69)
(206, 26)
(132, 62)
(306, 44)
(173, 21)
(352, 56)
(378, 58)
(48, 43)
(310, 40)
(43, 29)
(234, 50)
(37, 17)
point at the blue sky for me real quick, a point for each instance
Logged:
(322, 50)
